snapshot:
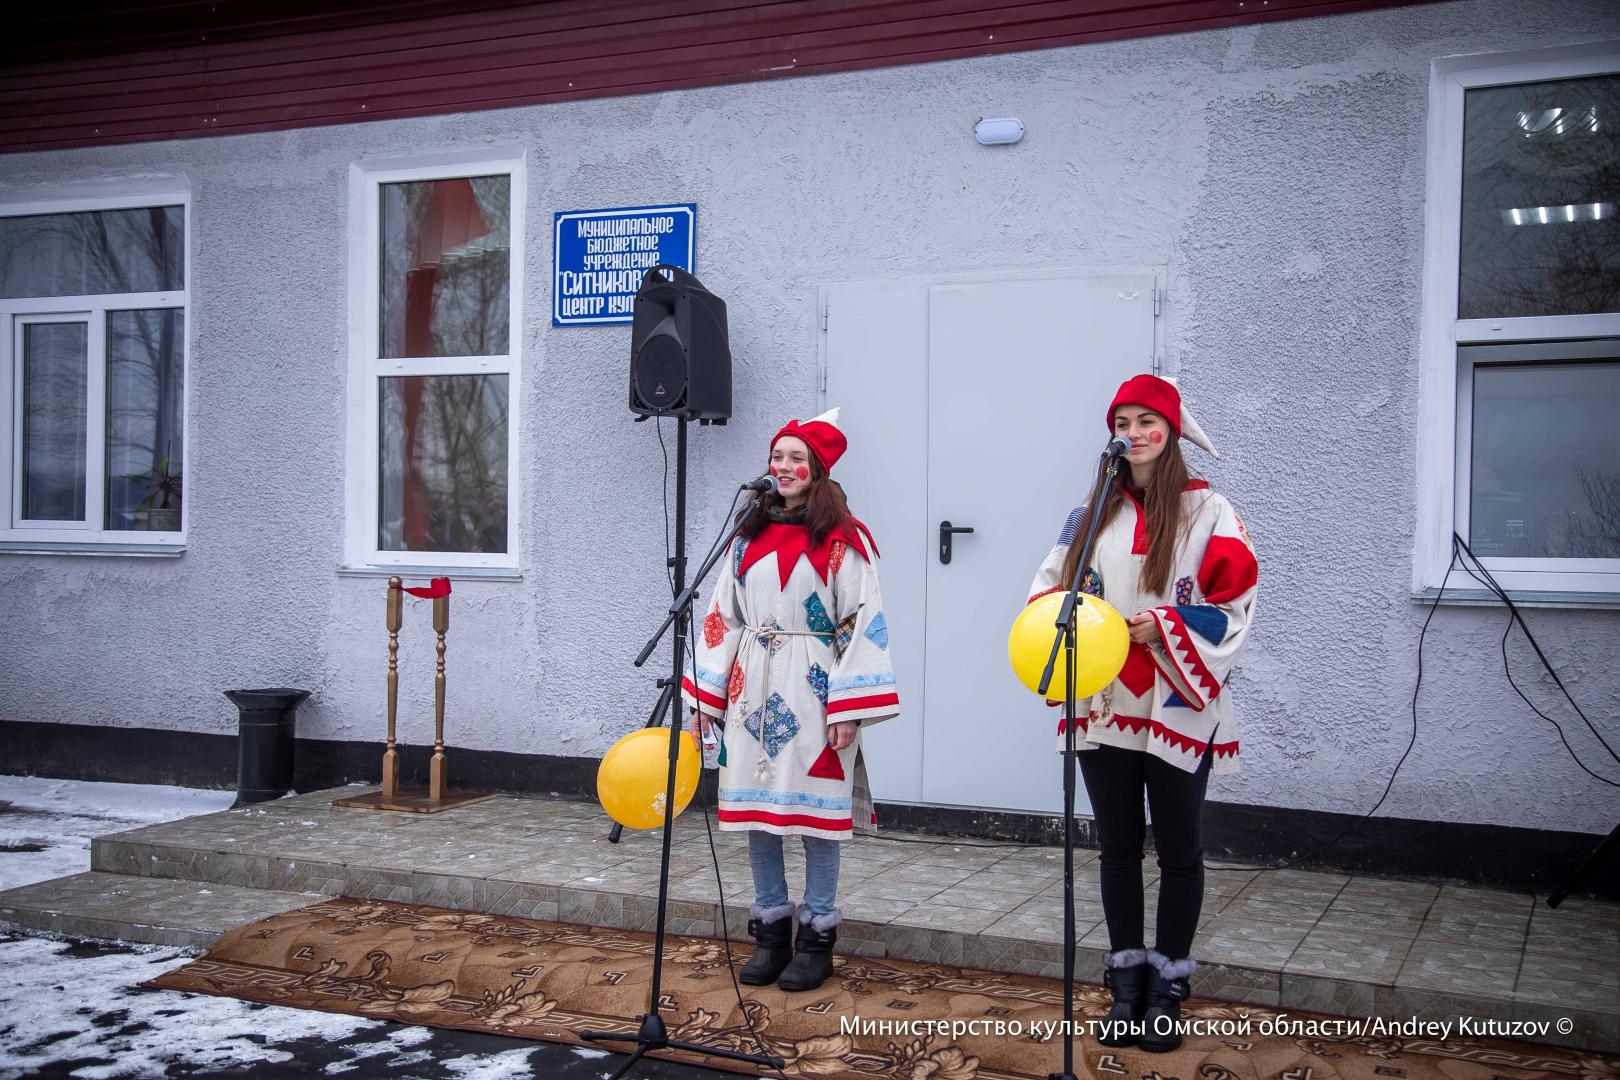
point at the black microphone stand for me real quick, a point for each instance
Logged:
(1065, 640)
(652, 1034)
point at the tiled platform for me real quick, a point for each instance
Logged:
(1321, 942)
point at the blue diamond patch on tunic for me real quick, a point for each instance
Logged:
(817, 678)
(878, 631)
(773, 724)
(737, 551)
(815, 615)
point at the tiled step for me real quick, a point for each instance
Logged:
(146, 910)
(1289, 940)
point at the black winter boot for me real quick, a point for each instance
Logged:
(812, 953)
(1167, 989)
(772, 930)
(1126, 974)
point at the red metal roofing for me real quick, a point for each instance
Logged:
(86, 73)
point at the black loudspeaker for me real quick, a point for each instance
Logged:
(680, 356)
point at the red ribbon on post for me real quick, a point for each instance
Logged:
(439, 586)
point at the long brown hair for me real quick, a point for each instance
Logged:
(1161, 504)
(825, 507)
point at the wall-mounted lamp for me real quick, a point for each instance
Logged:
(1001, 131)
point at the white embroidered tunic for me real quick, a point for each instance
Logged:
(789, 644)
(1170, 700)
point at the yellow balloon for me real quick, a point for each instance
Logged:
(1100, 644)
(632, 781)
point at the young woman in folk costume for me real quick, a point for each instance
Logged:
(1174, 559)
(794, 660)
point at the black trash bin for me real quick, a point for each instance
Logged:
(264, 742)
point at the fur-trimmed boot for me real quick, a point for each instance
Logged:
(812, 952)
(772, 930)
(1167, 988)
(1125, 973)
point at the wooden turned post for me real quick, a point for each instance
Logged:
(440, 766)
(396, 611)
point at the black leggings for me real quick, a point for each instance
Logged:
(1115, 779)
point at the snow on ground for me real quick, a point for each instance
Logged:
(58, 817)
(61, 1005)
(74, 1009)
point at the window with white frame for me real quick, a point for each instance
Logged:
(93, 301)
(434, 474)
(1521, 444)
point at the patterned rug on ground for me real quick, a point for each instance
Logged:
(547, 980)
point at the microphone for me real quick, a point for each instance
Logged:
(1118, 447)
(765, 484)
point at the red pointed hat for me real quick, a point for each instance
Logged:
(1164, 398)
(821, 435)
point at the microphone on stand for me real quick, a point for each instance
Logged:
(1118, 447)
(765, 485)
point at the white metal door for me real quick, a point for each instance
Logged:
(877, 371)
(979, 403)
(1019, 375)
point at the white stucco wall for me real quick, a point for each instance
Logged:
(1277, 171)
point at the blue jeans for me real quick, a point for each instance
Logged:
(770, 875)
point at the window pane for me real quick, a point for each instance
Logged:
(1541, 199)
(443, 475)
(55, 369)
(93, 252)
(1546, 461)
(444, 267)
(145, 439)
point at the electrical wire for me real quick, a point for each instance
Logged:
(1481, 574)
(1410, 743)
(1460, 548)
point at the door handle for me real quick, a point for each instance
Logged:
(946, 530)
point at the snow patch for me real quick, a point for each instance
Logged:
(52, 1001)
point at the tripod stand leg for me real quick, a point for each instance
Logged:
(629, 1062)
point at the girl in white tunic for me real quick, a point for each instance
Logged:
(793, 659)
(1175, 560)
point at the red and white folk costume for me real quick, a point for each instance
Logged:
(1171, 699)
(795, 638)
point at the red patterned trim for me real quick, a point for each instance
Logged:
(1176, 739)
(1083, 722)
(876, 701)
(1133, 724)
(711, 700)
(1226, 749)
(765, 817)
(1178, 682)
(1178, 641)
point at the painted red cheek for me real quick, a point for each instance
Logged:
(1155, 438)
(802, 472)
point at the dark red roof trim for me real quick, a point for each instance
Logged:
(75, 79)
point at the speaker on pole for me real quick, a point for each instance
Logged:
(680, 356)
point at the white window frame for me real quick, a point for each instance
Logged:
(367, 368)
(89, 536)
(1443, 436)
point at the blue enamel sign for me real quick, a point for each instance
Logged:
(599, 257)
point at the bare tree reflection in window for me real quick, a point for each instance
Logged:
(1596, 534)
(443, 463)
(446, 267)
(93, 252)
(145, 440)
(54, 381)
